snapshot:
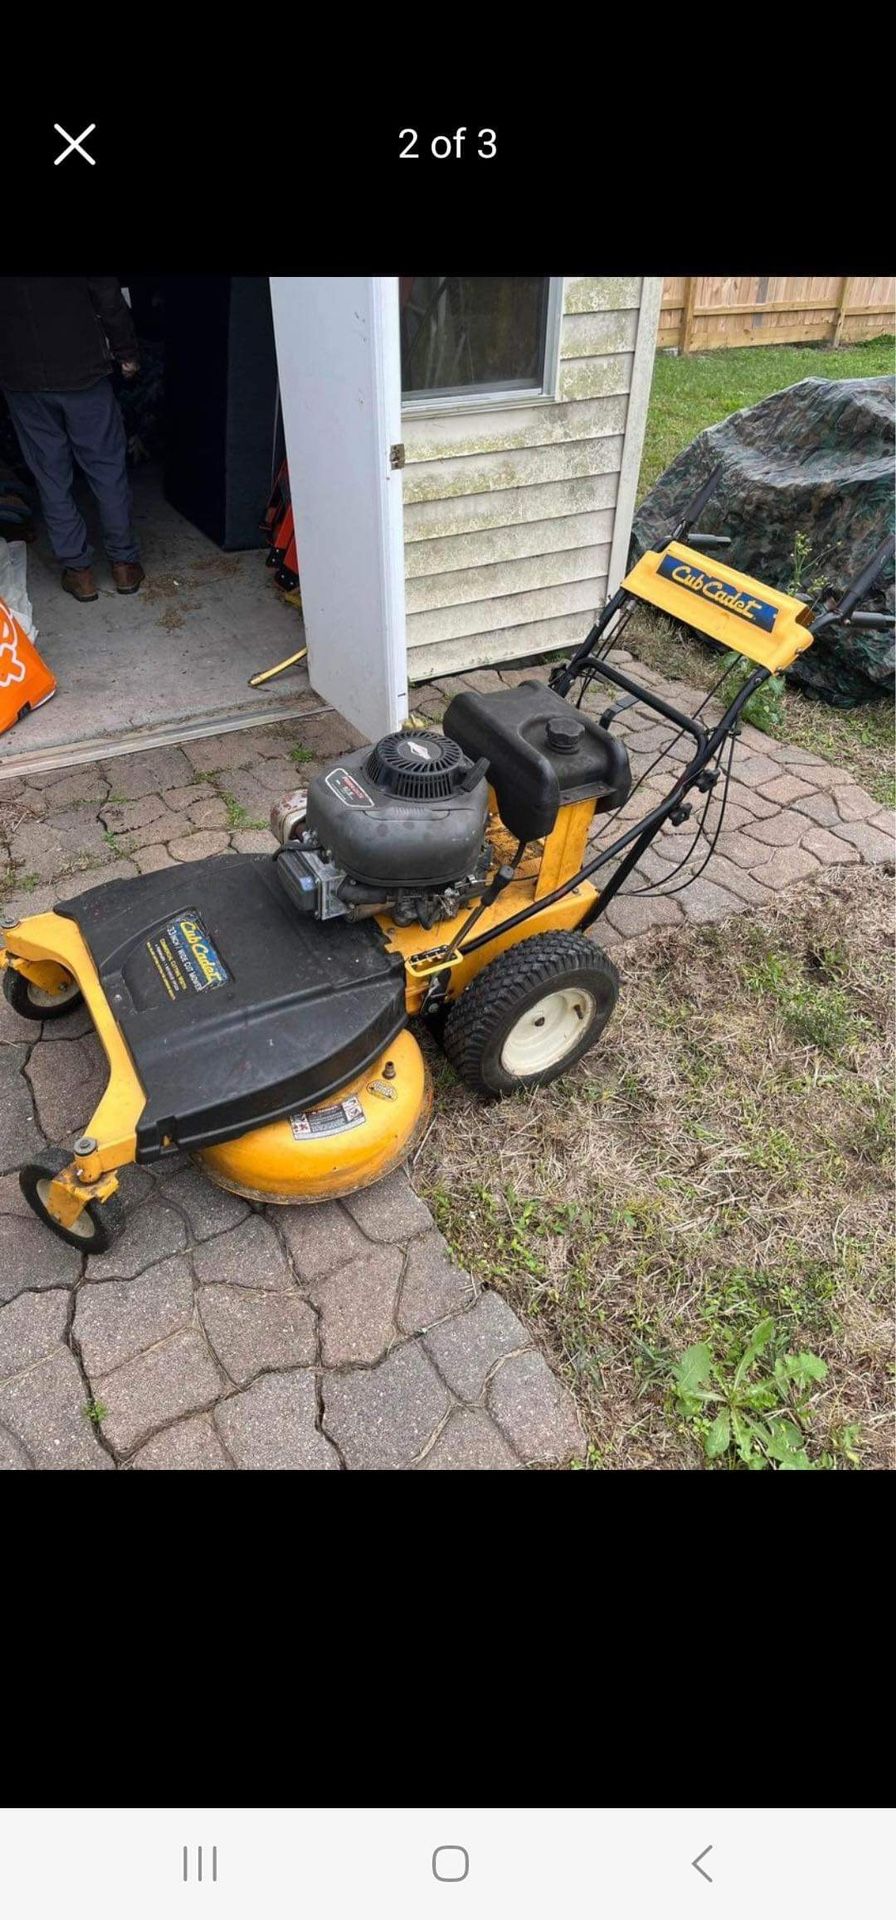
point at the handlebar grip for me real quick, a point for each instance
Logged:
(873, 622)
(695, 507)
(711, 542)
(866, 578)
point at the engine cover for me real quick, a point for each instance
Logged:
(409, 812)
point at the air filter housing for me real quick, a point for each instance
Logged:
(418, 766)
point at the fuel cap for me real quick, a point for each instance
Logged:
(565, 735)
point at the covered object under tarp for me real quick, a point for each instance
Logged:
(806, 495)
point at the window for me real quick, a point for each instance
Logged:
(476, 341)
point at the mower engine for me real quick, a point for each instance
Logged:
(398, 826)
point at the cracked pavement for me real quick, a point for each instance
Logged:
(219, 1334)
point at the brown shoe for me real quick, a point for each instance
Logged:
(128, 575)
(80, 583)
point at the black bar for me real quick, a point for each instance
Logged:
(865, 580)
(643, 695)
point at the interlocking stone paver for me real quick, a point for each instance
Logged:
(209, 1209)
(46, 1410)
(630, 914)
(12, 1199)
(466, 1349)
(819, 807)
(191, 1446)
(69, 1026)
(320, 1238)
(705, 901)
(829, 848)
(755, 769)
(534, 1411)
(72, 885)
(32, 1258)
(219, 755)
(152, 859)
(210, 812)
(151, 1232)
(737, 880)
(13, 1456)
(178, 1377)
(271, 1427)
(785, 789)
(357, 1307)
(852, 803)
(131, 775)
(30, 1327)
(253, 840)
(785, 830)
(390, 1210)
(469, 1443)
(181, 799)
(249, 1255)
(787, 865)
(255, 1332)
(873, 846)
(20, 1136)
(117, 1319)
(13, 1026)
(61, 843)
(743, 850)
(433, 1286)
(750, 800)
(126, 816)
(67, 1081)
(382, 1417)
(197, 846)
(885, 821)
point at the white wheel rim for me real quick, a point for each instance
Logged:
(83, 1226)
(39, 996)
(547, 1032)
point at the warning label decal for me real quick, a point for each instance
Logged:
(347, 788)
(319, 1120)
(184, 956)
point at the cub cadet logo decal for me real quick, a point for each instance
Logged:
(721, 592)
(213, 972)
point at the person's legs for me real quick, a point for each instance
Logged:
(39, 421)
(96, 431)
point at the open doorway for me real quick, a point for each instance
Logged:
(173, 660)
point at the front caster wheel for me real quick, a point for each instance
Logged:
(37, 1003)
(531, 1013)
(95, 1228)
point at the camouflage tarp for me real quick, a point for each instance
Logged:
(806, 494)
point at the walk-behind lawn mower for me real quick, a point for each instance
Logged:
(254, 1009)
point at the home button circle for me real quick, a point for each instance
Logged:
(451, 1863)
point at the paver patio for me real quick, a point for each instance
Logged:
(216, 1334)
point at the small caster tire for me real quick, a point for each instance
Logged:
(531, 1014)
(34, 1003)
(98, 1225)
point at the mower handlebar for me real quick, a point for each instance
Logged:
(873, 622)
(695, 507)
(710, 542)
(866, 579)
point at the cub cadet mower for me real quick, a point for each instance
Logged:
(254, 1009)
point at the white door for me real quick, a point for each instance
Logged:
(340, 384)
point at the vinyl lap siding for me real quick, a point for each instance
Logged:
(509, 514)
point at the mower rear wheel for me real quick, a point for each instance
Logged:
(531, 1013)
(35, 1003)
(95, 1228)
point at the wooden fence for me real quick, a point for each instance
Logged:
(699, 314)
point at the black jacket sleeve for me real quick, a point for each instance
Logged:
(115, 317)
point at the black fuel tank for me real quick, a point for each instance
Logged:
(409, 812)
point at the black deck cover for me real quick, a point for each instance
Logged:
(236, 1008)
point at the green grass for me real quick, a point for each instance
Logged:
(694, 391)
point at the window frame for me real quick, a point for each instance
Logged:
(496, 399)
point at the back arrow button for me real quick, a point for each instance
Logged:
(696, 1863)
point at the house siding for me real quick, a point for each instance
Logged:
(509, 515)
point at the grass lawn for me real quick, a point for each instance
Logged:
(722, 1161)
(689, 394)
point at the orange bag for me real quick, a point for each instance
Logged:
(25, 682)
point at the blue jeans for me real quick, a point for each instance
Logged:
(54, 427)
